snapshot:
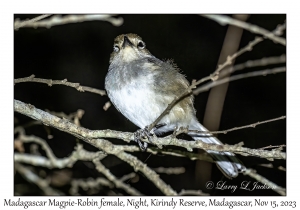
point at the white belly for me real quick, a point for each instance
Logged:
(139, 105)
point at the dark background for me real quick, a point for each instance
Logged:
(80, 52)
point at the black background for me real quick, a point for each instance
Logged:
(80, 52)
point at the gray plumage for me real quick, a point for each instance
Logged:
(141, 86)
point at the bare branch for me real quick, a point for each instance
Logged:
(78, 154)
(163, 170)
(256, 63)
(44, 145)
(128, 176)
(253, 125)
(106, 106)
(93, 138)
(179, 153)
(224, 20)
(208, 86)
(252, 173)
(279, 147)
(59, 20)
(33, 178)
(106, 146)
(270, 165)
(19, 24)
(230, 58)
(118, 183)
(81, 154)
(89, 183)
(172, 152)
(65, 82)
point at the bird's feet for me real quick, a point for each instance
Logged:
(145, 134)
(142, 134)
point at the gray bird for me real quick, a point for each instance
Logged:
(141, 86)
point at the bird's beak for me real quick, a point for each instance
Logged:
(126, 42)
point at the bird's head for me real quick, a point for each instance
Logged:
(127, 48)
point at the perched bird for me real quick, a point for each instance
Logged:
(141, 86)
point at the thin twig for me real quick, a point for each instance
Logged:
(253, 125)
(224, 20)
(230, 58)
(44, 145)
(252, 173)
(53, 162)
(170, 170)
(75, 116)
(270, 165)
(208, 86)
(127, 176)
(19, 24)
(274, 146)
(118, 183)
(179, 153)
(59, 20)
(89, 183)
(256, 63)
(106, 106)
(65, 82)
(33, 178)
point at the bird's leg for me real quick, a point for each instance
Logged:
(145, 133)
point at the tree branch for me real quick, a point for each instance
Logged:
(252, 173)
(223, 20)
(256, 63)
(59, 20)
(208, 86)
(102, 144)
(89, 184)
(93, 138)
(65, 82)
(118, 183)
(170, 170)
(53, 162)
(33, 178)
(253, 125)
(19, 24)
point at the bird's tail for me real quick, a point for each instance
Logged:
(227, 162)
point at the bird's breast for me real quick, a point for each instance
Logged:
(137, 101)
(140, 95)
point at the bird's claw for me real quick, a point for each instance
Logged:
(142, 134)
(145, 134)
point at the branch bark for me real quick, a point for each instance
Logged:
(224, 20)
(65, 82)
(93, 138)
(59, 20)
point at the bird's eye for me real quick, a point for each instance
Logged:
(141, 45)
(116, 48)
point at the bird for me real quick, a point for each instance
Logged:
(141, 86)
